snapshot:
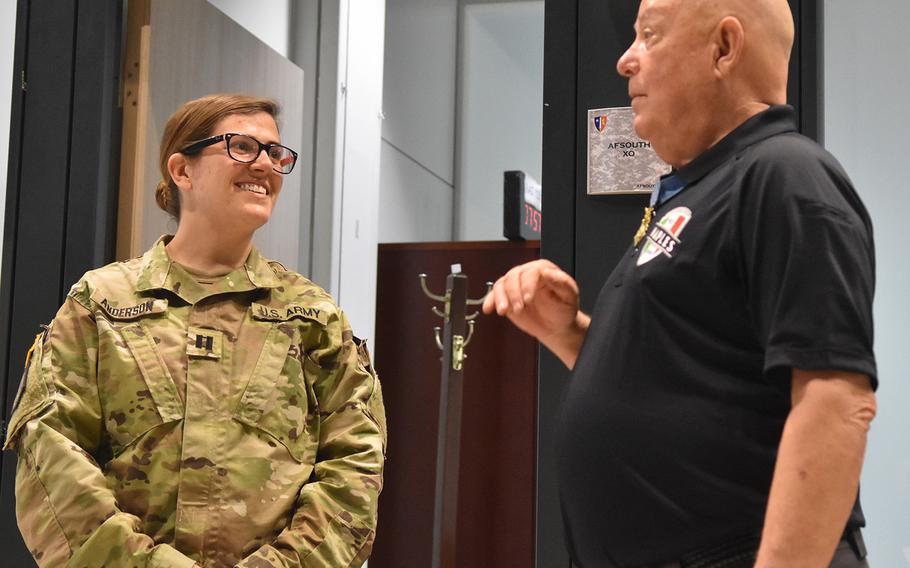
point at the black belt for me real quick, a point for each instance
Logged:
(741, 552)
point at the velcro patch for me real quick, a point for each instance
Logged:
(203, 342)
(289, 311)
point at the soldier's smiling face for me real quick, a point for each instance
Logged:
(228, 193)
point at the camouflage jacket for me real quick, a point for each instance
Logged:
(163, 420)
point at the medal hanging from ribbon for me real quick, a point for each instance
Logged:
(645, 223)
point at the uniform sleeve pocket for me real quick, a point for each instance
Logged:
(277, 397)
(346, 541)
(41, 530)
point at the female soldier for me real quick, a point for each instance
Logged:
(201, 405)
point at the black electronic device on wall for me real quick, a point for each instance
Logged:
(521, 207)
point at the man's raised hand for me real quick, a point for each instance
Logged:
(542, 300)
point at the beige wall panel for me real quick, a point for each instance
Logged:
(194, 50)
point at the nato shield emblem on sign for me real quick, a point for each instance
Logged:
(618, 160)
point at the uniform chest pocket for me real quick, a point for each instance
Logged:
(278, 400)
(136, 389)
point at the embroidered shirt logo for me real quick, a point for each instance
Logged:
(663, 237)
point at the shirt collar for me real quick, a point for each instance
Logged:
(665, 188)
(159, 272)
(775, 120)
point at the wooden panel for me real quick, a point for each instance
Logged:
(497, 487)
(133, 139)
(193, 49)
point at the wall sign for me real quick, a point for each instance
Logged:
(619, 162)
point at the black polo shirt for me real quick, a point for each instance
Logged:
(670, 426)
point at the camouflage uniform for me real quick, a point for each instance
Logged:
(162, 421)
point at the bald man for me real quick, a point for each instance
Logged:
(722, 386)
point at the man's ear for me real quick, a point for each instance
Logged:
(179, 166)
(728, 47)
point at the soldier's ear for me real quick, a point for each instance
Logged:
(179, 167)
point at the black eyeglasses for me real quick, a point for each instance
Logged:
(246, 149)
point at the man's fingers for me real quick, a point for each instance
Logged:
(530, 281)
(488, 303)
(519, 286)
(512, 288)
(560, 284)
(498, 298)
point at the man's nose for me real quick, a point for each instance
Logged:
(627, 64)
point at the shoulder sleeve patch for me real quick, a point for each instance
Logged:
(33, 394)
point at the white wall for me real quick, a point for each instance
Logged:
(867, 78)
(418, 149)
(501, 109)
(442, 179)
(303, 45)
(265, 19)
(7, 46)
(356, 184)
(347, 159)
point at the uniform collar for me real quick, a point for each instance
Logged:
(159, 272)
(775, 120)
